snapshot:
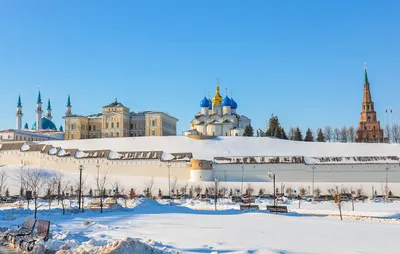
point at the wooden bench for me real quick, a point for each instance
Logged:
(42, 233)
(94, 203)
(277, 209)
(25, 230)
(249, 206)
(110, 203)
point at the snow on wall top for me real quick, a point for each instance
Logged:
(230, 146)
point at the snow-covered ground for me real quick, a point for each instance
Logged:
(192, 226)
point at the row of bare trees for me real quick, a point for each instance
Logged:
(343, 134)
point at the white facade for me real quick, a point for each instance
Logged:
(218, 118)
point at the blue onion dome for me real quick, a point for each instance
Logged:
(204, 103)
(46, 125)
(210, 106)
(233, 104)
(226, 102)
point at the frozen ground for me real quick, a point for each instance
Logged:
(193, 227)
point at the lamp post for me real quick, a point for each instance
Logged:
(241, 188)
(272, 176)
(169, 180)
(386, 187)
(80, 186)
(216, 192)
(313, 179)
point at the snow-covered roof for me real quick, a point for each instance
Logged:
(231, 146)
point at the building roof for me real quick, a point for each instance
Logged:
(114, 104)
(46, 125)
(38, 134)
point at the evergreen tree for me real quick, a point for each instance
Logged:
(90, 192)
(61, 129)
(132, 194)
(321, 136)
(260, 192)
(7, 193)
(309, 136)
(278, 132)
(297, 135)
(159, 193)
(273, 125)
(248, 131)
(284, 136)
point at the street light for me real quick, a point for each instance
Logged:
(272, 176)
(386, 188)
(313, 179)
(216, 192)
(80, 186)
(169, 180)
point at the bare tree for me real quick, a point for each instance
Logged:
(116, 185)
(149, 183)
(291, 133)
(3, 181)
(51, 186)
(343, 134)
(198, 190)
(249, 189)
(302, 191)
(388, 131)
(328, 133)
(34, 180)
(351, 133)
(317, 191)
(101, 183)
(396, 133)
(62, 188)
(338, 199)
(174, 185)
(337, 135)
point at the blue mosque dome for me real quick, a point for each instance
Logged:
(226, 102)
(46, 125)
(205, 103)
(233, 104)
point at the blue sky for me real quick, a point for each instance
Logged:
(301, 60)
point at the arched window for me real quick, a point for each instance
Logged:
(117, 124)
(112, 125)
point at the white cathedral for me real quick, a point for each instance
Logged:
(218, 118)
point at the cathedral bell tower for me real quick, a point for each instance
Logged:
(369, 130)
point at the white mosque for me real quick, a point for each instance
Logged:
(218, 117)
(42, 129)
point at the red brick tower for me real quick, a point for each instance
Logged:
(369, 130)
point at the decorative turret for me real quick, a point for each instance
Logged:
(26, 126)
(233, 105)
(226, 104)
(204, 104)
(48, 113)
(19, 114)
(39, 112)
(68, 111)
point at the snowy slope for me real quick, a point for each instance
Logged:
(232, 146)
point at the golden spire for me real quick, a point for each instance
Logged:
(217, 100)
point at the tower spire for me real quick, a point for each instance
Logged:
(19, 100)
(39, 98)
(48, 105)
(19, 113)
(69, 101)
(366, 75)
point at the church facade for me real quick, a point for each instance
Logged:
(116, 120)
(369, 130)
(218, 117)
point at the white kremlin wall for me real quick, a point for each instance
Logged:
(235, 160)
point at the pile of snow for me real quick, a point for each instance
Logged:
(81, 154)
(231, 146)
(25, 147)
(52, 150)
(114, 155)
(62, 152)
(167, 157)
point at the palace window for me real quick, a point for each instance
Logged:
(90, 128)
(117, 124)
(131, 125)
(106, 125)
(112, 125)
(153, 132)
(117, 134)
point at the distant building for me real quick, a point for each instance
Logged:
(218, 118)
(115, 121)
(369, 130)
(41, 130)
